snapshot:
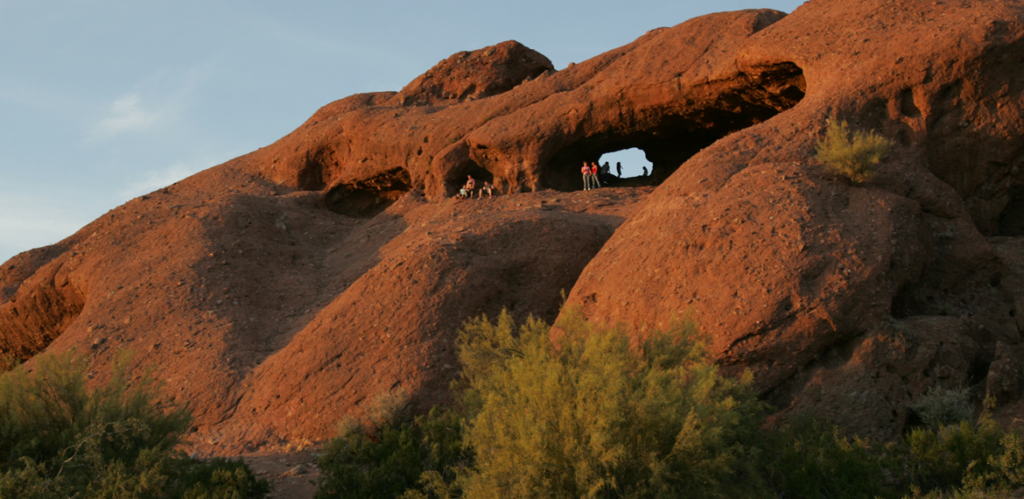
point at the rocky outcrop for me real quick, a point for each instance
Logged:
(289, 287)
(784, 263)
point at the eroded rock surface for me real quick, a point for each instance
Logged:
(288, 288)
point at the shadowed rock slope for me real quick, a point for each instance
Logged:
(292, 286)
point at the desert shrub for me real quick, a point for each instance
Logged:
(964, 455)
(815, 459)
(851, 154)
(59, 438)
(385, 461)
(50, 412)
(941, 406)
(579, 411)
(811, 459)
(587, 415)
(218, 478)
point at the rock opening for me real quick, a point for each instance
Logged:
(670, 136)
(1011, 221)
(459, 176)
(633, 162)
(368, 198)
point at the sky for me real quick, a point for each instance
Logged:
(102, 101)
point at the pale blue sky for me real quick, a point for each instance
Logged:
(104, 100)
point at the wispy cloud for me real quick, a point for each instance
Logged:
(128, 114)
(155, 102)
(162, 178)
(159, 178)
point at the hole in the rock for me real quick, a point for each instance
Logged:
(904, 303)
(311, 176)
(996, 280)
(626, 167)
(370, 197)
(978, 371)
(913, 421)
(907, 105)
(669, 138)
(1011, 220)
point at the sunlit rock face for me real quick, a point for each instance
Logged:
(290, 287)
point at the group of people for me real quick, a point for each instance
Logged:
(594, 176)
(467, 190)
(590, 175)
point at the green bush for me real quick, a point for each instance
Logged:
(586, 415)
(385, 461)
(941, 406)
(963, 456)
(581, 411)
(815, 459)
(851, 154)
(60, 439)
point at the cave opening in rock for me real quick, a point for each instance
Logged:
(1011, 220)
(633, 163)
(459, 176)
(367, 198)
(672, 134)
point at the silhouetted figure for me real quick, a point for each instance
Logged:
(618, 169)
(645, 171)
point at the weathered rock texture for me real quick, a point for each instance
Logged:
(292, 286)
(847, 300)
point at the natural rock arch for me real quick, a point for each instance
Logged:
(671, 136)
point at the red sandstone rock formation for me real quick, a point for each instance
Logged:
(289, 287)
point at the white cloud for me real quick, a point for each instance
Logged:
(128, 115)
(156, 101)
(162, 178)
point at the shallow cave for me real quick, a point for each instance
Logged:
(368, 198)
(1011, 221)
(458, 177)
(669, 139)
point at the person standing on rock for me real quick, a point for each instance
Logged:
(586, 176)
(618, 169)
(594, 181)
(645, 171)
